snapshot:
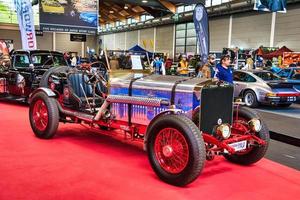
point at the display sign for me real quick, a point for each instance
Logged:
(270, 5)
(291, 58)
(202, 31)
(26, 24)
(75, 16)
(39, 32)
(136, 62)
(78, 38)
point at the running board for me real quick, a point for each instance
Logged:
(77, 114)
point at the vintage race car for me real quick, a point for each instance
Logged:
(25, 72)
(181, 121)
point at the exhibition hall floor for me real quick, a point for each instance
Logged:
(77, 164)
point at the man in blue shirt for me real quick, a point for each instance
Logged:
(224, 73)
(158, 66)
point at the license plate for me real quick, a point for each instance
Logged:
(239, 146)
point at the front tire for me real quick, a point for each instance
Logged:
(44, 116)
(176, 149)
(253, 154)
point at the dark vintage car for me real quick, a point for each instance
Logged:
(181, 121)
(25, 71)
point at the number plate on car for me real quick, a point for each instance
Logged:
(238, 146)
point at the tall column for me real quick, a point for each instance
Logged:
(272, 29)
(154, 42)
(139, 37)
(54, 41)
(174, 40)
(114, 41)
(230, 32)
(82, 49)
(125, 39)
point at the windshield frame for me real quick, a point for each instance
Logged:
(50, 57)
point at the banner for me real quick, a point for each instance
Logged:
(26, 23)
(202, 31)
(270, 5)
(75, 16)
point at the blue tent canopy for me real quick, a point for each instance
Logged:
(139, 50)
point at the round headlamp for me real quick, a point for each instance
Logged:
(255, 125)
(224, 131)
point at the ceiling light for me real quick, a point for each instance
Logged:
(111, 11)
(126, 7)
(145, 1)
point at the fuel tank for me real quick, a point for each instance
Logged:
(183, 92)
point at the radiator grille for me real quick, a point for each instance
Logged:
(216, 105)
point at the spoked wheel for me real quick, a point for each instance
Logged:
(171, 150)
(40, 115)
(250, 99)
(43, 115)
(253, 153)
(176, 149)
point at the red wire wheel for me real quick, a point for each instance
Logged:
(240, 127)
(40, 115)
(171, 150)
(175, 149)
(43, 115)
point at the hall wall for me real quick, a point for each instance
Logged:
(288, 29)
(45, 42)
(251, 30)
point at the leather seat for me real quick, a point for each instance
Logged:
(80, 90)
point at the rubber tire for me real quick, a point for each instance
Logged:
(196, 149)
(255, 103)
(44, 82)
(53, 116)
(256, 153)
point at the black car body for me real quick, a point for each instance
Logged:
(23, 74)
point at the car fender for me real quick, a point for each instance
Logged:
(47, 91)
(169, 111)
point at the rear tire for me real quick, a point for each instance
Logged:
(44, 116)
(250, 99)
(176, 149)
(256, 153)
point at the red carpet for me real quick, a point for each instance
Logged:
(77, 165)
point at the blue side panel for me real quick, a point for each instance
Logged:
(184, 102)
(119, 91)
(196, 102)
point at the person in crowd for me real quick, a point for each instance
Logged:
(208, 69)
(73, 61)
(224, 72)
(168, 65)
(183, 66)
(67, 57)
(199, 70)
(158, 66)
(249, 63)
